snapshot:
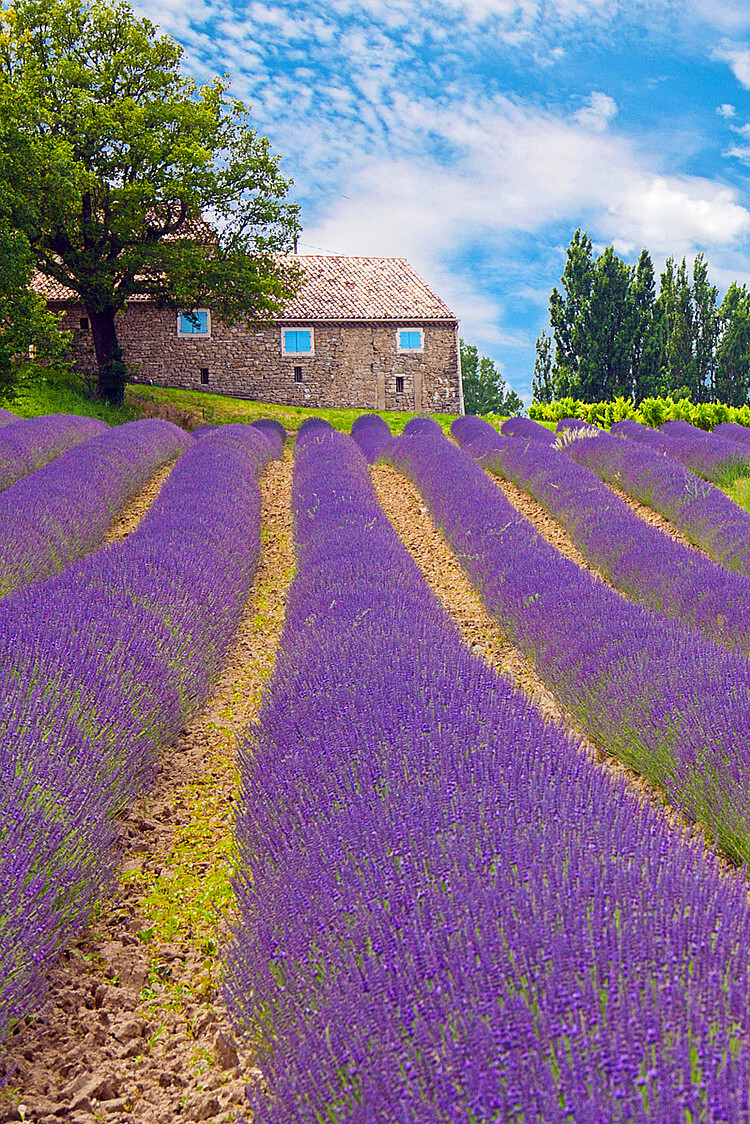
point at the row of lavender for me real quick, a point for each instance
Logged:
(708, 517)
(58, 513)
(448, 913)
(647, 565)
(98, 666)
(671, 704)
(29, 444)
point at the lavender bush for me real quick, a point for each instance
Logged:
(274, 431)
(6, 417)
(423, 425)
(98, 666)
(647, 565)
(733, 432)
(667, 702)
(709, 518)
(60, 512)
(33, 442)
(644, 434)
(525, 427)
(371, 434)
(448, 914)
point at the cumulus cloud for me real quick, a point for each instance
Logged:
(597, 114)
(726, 110)
(737, 58)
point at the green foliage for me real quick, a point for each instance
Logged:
(485, 391)
(112, 157)
(29, 334)
(651, 411)
(614, 337)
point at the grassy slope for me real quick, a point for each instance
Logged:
(215, 408)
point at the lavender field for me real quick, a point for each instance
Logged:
(447, 906)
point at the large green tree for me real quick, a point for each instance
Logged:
(114, 160)
(29, 333)
(485, 391)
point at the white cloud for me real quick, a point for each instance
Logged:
(518, 170)
(726, 110)
(738, 59)
(598, 113)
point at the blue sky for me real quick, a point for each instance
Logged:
(473, 136)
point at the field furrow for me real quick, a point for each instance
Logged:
(151, 954)
(448, 913)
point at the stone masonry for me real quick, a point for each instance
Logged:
(353, 306)
(354, 365)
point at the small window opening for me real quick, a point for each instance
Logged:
(298, 374)
(399, 384)
(204, 376)
(85, 323)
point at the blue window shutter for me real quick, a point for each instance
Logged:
(185, 325)
(297, 340)
(410, 340)
(202, 323)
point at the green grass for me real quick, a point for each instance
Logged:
(58, 394)
(217, 409)
(61, 394)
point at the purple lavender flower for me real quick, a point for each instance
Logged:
(733, 432)
(28, 444)
(98, 666)
(371, 434)
(274, 431)
(423, 425)
(525, 427)
(448, 914)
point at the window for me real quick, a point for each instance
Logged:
(399, 384)
(297, 341)
(85, 323)
(410, 339)
(197, 322)
(298, 374)
(204, 376)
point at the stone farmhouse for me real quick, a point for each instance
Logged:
(363, 332)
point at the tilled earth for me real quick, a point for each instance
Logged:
(134, 1031)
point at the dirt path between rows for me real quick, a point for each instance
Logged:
(442, 571)
(135, 1031)
(137, 506)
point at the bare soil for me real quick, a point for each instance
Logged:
(442, 571)
(134, 1031)
(136, 507)
(648, 515)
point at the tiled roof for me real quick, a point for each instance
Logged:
(343, 288)
(337, 288)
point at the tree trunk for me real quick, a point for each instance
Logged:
(112, 369)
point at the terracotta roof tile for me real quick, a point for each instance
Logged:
(337, 288)
(344, 288)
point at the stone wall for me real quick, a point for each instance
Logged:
(353, 365)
